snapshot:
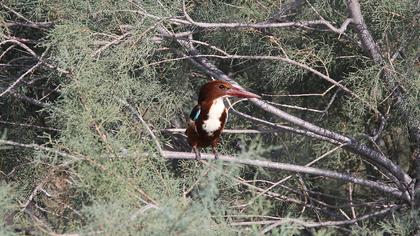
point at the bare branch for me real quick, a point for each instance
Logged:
(264, 25)
(30, 51)
(13, 85)
(36, 25)
(290, 176)
(368, 42)
(113, 42)
(42, 148)
(293, 168)
(294, 107)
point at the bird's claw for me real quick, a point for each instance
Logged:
(216, 155)
(197, 154)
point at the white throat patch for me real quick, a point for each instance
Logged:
(213, 122)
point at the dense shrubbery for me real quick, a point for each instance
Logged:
(77, 160)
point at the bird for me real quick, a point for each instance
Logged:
(208, 118)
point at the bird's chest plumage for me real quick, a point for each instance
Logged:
(214, 120)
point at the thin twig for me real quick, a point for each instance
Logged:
(28, 125)
(42, 148)
(20, 78)
(330, 223)
(140, 118)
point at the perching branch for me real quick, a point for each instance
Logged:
(350, 144)
(227, 131)
(294, 168)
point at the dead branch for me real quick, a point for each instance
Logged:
(374, 51)
(113, 42)
(36, 25)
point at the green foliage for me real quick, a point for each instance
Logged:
(113, 179)
(7, 204)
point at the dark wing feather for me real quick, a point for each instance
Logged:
(195, 113)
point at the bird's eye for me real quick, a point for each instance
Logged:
(222, 86)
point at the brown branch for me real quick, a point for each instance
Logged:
(294, 168)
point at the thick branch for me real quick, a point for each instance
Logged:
(293, 168)
(368, 42)
(374, 51)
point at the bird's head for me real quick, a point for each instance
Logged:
(217, 88)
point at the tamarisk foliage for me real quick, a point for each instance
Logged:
(94, 95)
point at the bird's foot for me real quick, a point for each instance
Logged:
(216, 154)
(197, 153)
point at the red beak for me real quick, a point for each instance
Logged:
(241, 93)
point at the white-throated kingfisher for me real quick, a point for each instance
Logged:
(208, 117)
